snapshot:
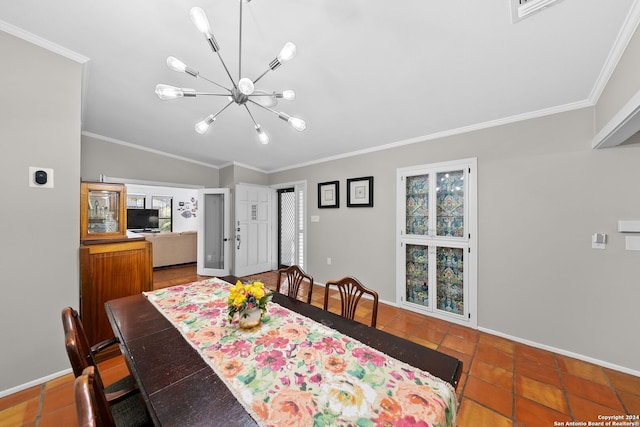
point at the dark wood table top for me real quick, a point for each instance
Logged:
(181, 389)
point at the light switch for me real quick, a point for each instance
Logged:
(315, 218)
(599, 241)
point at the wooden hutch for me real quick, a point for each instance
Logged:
(113, 262)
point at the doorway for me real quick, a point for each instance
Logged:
(291, 233)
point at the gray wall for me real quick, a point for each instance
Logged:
(236, 174)
(39, 126)
(542, 193)
(120, 161)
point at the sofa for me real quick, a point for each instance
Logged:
(173, 248)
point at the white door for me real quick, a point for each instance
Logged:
(213, 232)
(253, 227)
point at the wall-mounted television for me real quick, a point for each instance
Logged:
(142, 219)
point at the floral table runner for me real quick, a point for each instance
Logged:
(294, 371)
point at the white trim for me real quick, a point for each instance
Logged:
(615, 54)
(621, 127)
(41, 42)
(452, 132)
(242, 165)
(525, 341)
(39, 381)
(113, 179)
(150, 150)
(562, 352)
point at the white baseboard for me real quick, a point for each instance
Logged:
(529, 343)
(563, 352)
(35, 382)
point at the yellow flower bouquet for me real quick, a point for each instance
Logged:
(245, 297)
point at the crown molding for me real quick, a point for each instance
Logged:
(43, 43)
(617, 51)
(147, 149)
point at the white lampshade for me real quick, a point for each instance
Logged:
(297, 124)
(176, 65)
(199, 19)
(287, 52)
(166, 92)
(262, 137)
(246, 86)
(289, 95)
(203, 126)
(264, 98)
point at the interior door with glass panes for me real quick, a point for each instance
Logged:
(436, 252)
(214, 240)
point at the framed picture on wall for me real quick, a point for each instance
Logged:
(329, 194)
(360, 192)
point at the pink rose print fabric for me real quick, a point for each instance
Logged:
(293, 371)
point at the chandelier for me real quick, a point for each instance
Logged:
(242, 92)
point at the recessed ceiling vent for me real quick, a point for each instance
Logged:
(521, 9)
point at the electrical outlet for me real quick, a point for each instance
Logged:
(328, 261)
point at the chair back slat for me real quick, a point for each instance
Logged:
(295, 277)
(351, 291)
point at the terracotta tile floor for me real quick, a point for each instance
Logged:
(503, 383)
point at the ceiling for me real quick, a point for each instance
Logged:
(368, 73)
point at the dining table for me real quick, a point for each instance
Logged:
(179, 386)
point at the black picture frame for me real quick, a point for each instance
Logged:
(329, 195)
(360, 192)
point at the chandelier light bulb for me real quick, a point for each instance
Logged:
(199, 19)
(287, 52)
(246, 86)
(297, 124)
(203, 126)
(262, 137)
(289, 95)
(166, 92)
(176, 65)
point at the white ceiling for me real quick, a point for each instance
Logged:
(368, 73)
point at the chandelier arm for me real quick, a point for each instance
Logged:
(240, 45)
(217, 84)
(267, 108)
(261, 75)
(251, 115)
(227, 70)
(210, 94)
(222, 109)
(265, 93)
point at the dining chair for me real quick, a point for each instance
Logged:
(294, 278)
(351, 290)
(82, 355)
(94, 410)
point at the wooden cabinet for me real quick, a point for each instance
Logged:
(107, 271)
(102, 211)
